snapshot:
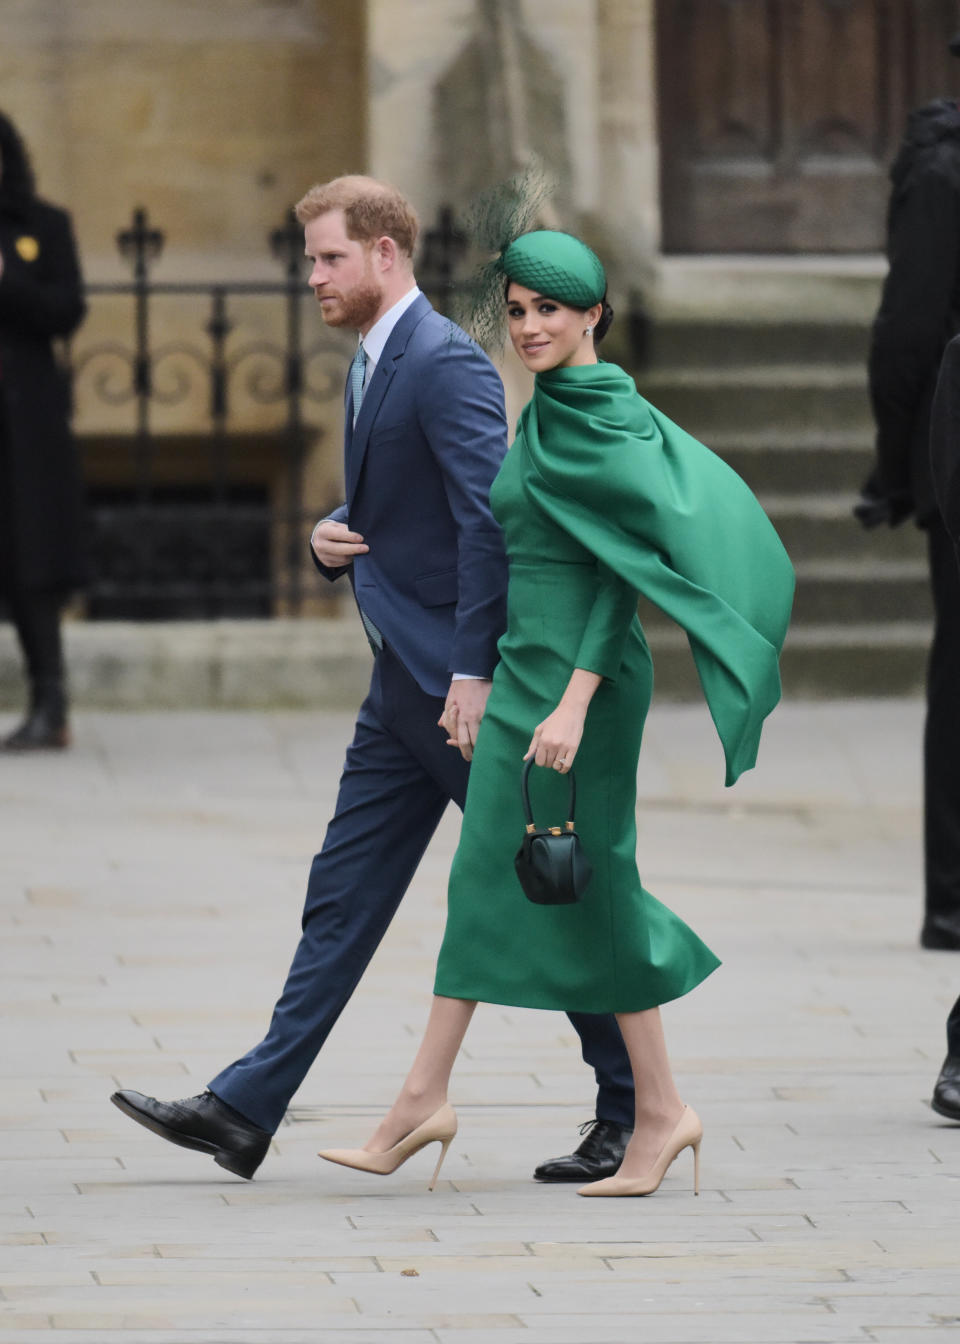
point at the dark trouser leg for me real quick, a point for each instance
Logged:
(395, 786)
(398, 778)
(942, 742)
(36, 618)
(36, 615)
(953, 1031)
(606, 1054)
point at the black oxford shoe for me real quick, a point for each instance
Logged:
(940, 936)
(946, 1093)
(203, 1123)
(599, 1155)
(45, 726)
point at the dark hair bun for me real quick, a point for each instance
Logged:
(603, 326)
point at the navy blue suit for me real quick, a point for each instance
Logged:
(419, 462)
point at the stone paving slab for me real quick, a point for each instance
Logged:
(150, 890)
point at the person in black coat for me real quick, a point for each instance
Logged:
(945, 475)
(41, 553)
(919, 312)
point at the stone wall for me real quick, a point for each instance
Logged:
(462, 92)
(585, 64)
(214, 114)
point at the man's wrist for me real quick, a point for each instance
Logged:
(319, 525)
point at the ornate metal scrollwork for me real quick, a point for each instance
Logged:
(105, 390)
(162, 550)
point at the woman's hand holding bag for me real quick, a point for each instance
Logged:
(550, 864)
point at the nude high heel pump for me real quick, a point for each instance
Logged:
(437, 1128)
(687, 1134)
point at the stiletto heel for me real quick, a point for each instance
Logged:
(687, 1134)
(443, 1152)
(441, 1127)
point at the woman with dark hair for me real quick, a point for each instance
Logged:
(41, 559)
(600, 498)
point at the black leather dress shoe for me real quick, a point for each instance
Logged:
(940, 937)
(204, 1123)
(599, 1155)
(45, 726)
(946, 1093)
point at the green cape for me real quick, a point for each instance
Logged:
(678, 524)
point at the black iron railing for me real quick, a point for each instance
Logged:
(208, 519)
(196, 446)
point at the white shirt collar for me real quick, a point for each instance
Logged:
(378, 335)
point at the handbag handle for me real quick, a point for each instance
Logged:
(525, 794)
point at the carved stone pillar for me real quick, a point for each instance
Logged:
(629, 200)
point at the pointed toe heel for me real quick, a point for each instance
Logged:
(688, 1133)
(441, 1127)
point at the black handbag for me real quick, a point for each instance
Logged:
(551, 864)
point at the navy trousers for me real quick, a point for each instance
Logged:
(398, 778)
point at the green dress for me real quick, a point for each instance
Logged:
(600, 497)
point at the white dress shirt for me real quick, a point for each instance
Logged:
(378, 335)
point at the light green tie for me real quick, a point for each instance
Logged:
(358, 374)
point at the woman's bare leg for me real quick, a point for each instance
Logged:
(658, 1104)
(425, 1088)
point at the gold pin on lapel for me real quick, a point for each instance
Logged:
(28, 248)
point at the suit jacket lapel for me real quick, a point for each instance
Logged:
(358, 438)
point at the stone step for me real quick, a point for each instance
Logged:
(325, 663)
(837, 592)
(873, 591)
(282, 663)
(784, 401)
(802, 400)
(829, 660)
(717, 345)
(776, 462)
(821, 527)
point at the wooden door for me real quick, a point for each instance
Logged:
(779, 118)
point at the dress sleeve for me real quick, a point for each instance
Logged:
(605, 635)
(675, 523)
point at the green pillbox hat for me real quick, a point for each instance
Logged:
(558, 266)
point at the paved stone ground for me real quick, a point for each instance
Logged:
(150, 885)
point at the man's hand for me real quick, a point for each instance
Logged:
(335, 545)
(466, 701)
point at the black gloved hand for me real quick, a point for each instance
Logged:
(875, 506)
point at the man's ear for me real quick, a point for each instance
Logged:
(386, 252)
